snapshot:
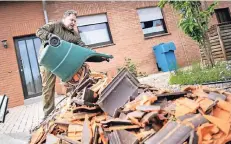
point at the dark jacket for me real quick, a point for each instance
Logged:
(59, 29)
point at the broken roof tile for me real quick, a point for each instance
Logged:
(135, 121)
(136, 114)
(222, 124)
(214, 96)
(200, 93)
(205, 104)
(148, 108)
(146, 118)
(185, 106)
(121, 127)
(143, 135)
(75, 128)
(221, 114)
(203, 132)
(224, 105)
(122, 137)
(116, 121)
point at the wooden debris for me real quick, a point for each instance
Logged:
(37, 136)
(135, 121)
(65, 138)
(112, 128)
(87, 132)
(79, 116)
(103, 137)
(142, 135)
(151, 115)
(148, 116)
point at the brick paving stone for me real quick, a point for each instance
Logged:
(23, 118)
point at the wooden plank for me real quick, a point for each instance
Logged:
(228, 57)
(215, 47)
(221, 43)
(214, 41)
(213, 37)
(111, 128)
(218, 59)
(223, 26)
(226, 40)
(217, 53)
(216, 50)
(226, 31)
(218, 56)
(212, 34)
(228, 54)
(227, 44)
(228, 49)
(226, 37)
(225, 34)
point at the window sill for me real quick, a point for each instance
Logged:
(159, 35)
(101, 46)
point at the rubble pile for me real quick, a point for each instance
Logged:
(123, 111)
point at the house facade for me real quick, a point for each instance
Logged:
(122, 29)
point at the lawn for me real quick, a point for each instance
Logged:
(198, 74)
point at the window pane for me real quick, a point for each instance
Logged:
(37, 43)
(93, 34)
(223, 15)
(34, 65)
(26, 67)
(149, 14)
(93, 19)
(152, 26)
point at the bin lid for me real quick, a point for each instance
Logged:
(165, 47)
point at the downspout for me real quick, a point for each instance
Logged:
(45, 11)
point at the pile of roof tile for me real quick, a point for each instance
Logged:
(123, 111)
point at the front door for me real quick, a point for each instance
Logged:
(27, 49)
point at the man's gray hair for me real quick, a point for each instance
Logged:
(69, 12)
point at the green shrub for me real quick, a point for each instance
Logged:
(199, 74)
(132, 68)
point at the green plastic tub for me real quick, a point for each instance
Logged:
(65, 59)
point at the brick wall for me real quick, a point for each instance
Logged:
(223, 4)
(17, 19)
(127, 34)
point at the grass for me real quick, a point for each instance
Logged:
(199, 74)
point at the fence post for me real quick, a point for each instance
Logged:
(221, 42)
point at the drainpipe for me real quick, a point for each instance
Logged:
(44, 11)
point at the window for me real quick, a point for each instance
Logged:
(94, 30)
(152, 21)
(223, 15)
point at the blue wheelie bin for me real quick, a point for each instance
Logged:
(165, 57)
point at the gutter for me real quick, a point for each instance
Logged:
(44, 11)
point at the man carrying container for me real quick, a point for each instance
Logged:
(65, 30)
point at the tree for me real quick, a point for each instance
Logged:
(194, 22)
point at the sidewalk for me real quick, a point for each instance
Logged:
(20, 120)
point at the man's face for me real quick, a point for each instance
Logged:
(70, 21)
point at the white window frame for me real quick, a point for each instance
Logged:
(92, 20)
(152, 14)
